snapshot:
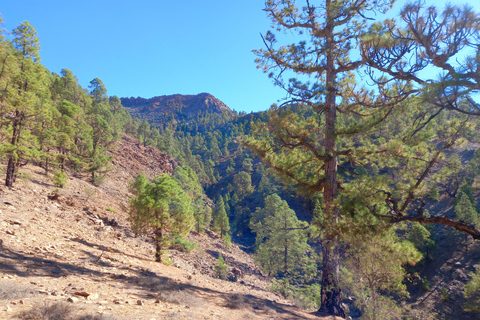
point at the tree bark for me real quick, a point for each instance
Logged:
(12, 161)
(158, 245)
(331, 295)
(10, 172)
(285, 257)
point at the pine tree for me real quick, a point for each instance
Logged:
(466, 212)
(472, 293)
(221, 268)
(434, 193)
(161, 207)
(309, 151)
(66, 131)
(422, 238)
(26, 99)
(242, 183)
(188, 180)
(370, 272)
(281, 240)
(144, 131)
(350, 126)
(103, 134)
(221, 223)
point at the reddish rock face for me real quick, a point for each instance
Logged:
(131, 156)
(157, 108)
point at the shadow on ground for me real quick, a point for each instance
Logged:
(150, 285)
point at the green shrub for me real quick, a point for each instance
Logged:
(434, 193)
(472, 293)
(227, 240)
(182, 244)
(98, 180)
(221, 268)
(59, 179)
(445, 295)
(304, 297)
(24, 175)
(425, 285)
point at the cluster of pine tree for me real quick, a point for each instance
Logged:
(202, 142)
(49, 119)
(358, 165)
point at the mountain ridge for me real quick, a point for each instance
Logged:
(158, 108)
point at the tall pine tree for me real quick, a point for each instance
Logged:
(26, 100)
(281, 239)
(221, 223)
(351, 129)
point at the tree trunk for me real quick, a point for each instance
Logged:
(62, 164)
(10, 172)
(158, 245)
(285, 256)
(12, 162)
(16, 163)
(331, 295)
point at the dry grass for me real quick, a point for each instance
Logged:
(182, 315)
(237, 301)
(55, 311)
(13, 290)
(181, 297)
(156, 284)
(97, 317)
(171, 291)
(59, 311)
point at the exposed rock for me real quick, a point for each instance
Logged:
(159, 108)
(93, 296)
(82, 293)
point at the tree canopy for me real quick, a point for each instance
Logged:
(160, 207)
(281, 239)
(366, 150)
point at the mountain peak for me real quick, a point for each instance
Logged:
(189, 106)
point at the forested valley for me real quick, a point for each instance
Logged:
(346, 194)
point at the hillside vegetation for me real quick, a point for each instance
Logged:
(73, 251)
(347, 200)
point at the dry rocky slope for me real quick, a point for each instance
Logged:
(78, 249)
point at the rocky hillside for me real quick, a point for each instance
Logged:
(159, 109)
(71, 255)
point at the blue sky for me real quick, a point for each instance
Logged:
(149, 48)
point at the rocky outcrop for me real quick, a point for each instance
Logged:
(178, 105)
(132, 158)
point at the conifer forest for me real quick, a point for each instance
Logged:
(342, 191)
